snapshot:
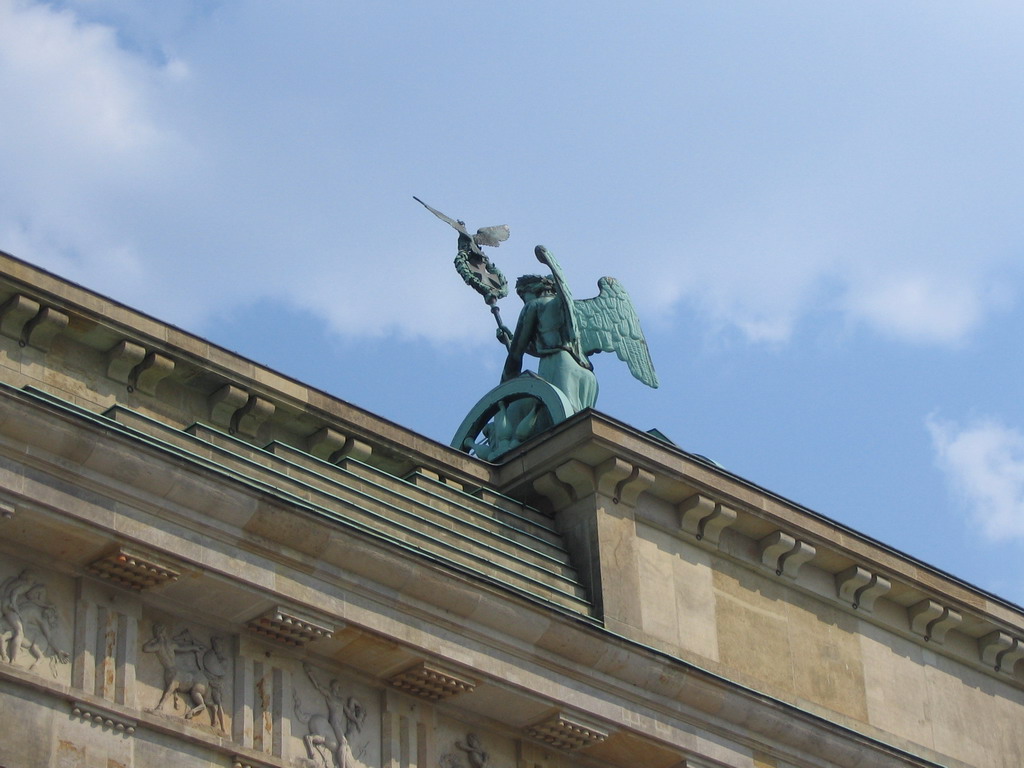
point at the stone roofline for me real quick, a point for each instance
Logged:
(167, 351)
(183, 377)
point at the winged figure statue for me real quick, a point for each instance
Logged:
(562, 332)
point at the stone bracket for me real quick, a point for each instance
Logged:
(248, 419)
(623, 481)
(567, 732)
(784, 554)
(568, 483)
(40, 331)
(224, 402)
(333, 446)
(15, 313)
(860, 587)
(558, 493)
(704, 517)
(103, 717)
(239, 411)
(431, 681)
(122, 359)
(932, 621)
(132, 364)
(7, 511)
(290, 627)
(575, 480)
(153, 369)
(127, 568)
(31, 323)
(579, 477)
(1000, 651)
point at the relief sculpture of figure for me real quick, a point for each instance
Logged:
(181, 659)
(474, 750)
(215, 665)
(30, 620)
(12, 596)
(331, 734)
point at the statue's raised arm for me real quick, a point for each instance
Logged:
(564, 294)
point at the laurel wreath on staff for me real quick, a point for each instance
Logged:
(475, 268)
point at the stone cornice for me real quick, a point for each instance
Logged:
(846, 567)
(139, 351)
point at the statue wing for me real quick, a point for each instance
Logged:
(609, 323)
(493, 236)
(458, 225)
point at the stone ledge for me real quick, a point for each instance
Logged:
(104, 717)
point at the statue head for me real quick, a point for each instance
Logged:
(37, 595)
(539, 285)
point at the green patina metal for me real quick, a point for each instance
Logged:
(560, 331)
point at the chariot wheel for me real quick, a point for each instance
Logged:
(509, 415)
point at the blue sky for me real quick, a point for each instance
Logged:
(815, 207)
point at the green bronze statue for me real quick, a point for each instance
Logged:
(555, 328)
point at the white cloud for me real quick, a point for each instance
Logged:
(275, 155)
(77, 92)
(81, 142)
(929, 308)
(984, 464)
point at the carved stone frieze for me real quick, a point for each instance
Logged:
(130, 569)
(288, 627)
(473, 750)
(30, 625)
(329, 736)
(567, 732)
(194, 672)
(432, 682)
